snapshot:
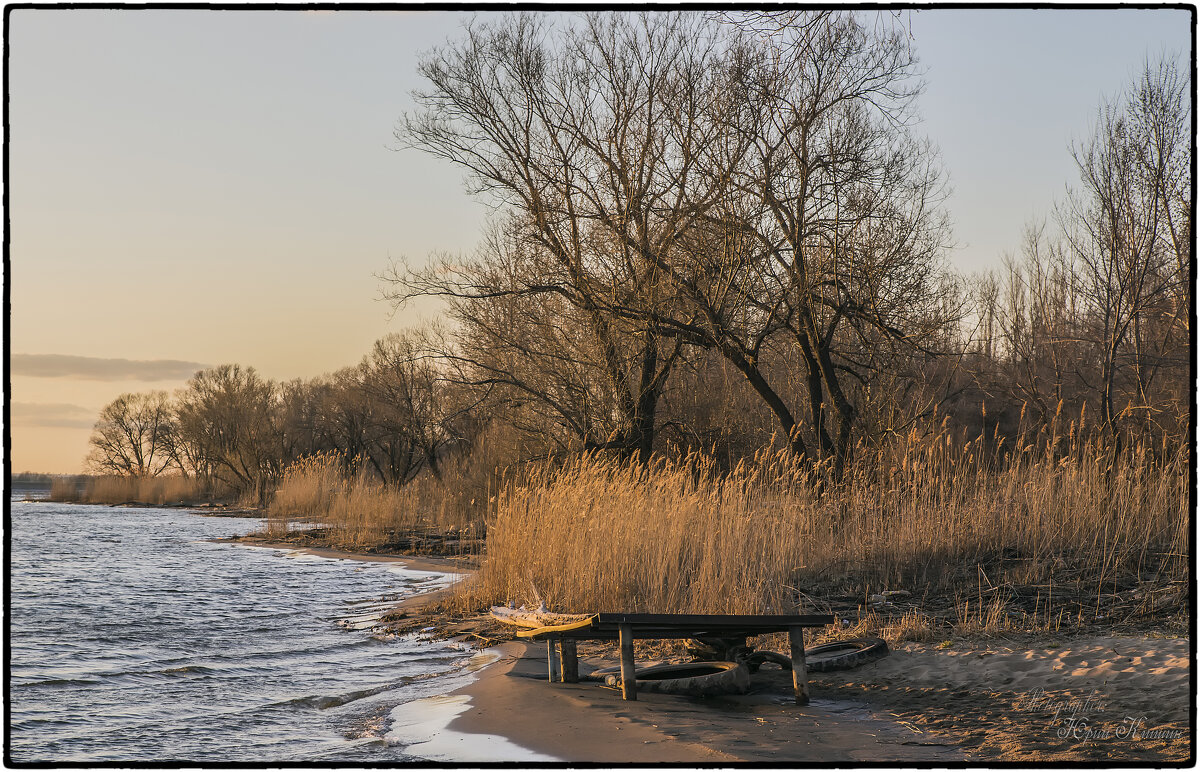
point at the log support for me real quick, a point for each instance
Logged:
(569, 661)
(799, 668)
(628, 677)
(552, 660)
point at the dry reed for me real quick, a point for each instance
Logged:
(66, 489)
(359, 513)
(158, 491)
(931, 514)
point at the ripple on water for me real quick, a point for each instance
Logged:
(135, 638)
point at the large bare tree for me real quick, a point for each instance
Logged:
(747, 193)
(602, 141)
(850, 214)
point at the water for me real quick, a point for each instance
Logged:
(136, 638)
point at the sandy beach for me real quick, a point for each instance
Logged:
(1104, 700)
(586, 722)
(1032, 699)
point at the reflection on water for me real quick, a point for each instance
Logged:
(133, 637)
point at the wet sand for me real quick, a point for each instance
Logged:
(1102, 700)
(587, 722)
(1098, 700)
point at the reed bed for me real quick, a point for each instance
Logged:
(158, 491)
(1054, 517)
(359, 513)
(66, 489)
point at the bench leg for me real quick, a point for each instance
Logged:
(569, 661)
(799, 669)
(628, 679)
(551, 660)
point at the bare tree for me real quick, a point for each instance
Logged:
(415, 418)
(711, 190)
(1127, 225)
(231, 418)
(134, 436)
(1036, 310)
(604, 146)
(523, 346)
(850, 222)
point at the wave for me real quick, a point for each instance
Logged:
(324, 702)
(58, 682)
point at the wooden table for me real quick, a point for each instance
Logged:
(627, 627)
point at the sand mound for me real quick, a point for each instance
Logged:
(1095, 699)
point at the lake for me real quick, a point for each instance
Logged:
(136, 637)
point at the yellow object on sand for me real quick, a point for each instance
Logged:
(542, 632)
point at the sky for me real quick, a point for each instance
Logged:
(190, 188)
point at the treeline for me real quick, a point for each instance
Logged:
(722, 234)
(389, 418)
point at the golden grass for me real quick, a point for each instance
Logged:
(925, 513)
(1003, 539)
(360, 513)
(158, 491)
(65, 489)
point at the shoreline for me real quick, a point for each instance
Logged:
(589, 723)
(1101, 700)
(433, 563)
(1098, 699)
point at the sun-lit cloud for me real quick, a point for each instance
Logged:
(100, 369)
(52, 415)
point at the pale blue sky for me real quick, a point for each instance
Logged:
(219, 186)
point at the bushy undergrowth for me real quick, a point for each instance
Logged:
(930, 514)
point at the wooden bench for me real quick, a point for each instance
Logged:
(627, 627)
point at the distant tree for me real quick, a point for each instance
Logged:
(1128, 227)
(305, 424)
(416, 417)
(134, 436)
(1038, 319)
(231, 419)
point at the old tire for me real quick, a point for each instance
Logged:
(844, 655)
(698, 679)
(755, 660)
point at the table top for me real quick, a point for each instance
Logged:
(607, 625)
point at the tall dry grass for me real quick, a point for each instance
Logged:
(66, 489)
(931, 514)
(362, 513)
(158, 491)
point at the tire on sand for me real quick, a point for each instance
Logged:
(698, 679)
(844, 655)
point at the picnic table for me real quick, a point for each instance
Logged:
(625, 628)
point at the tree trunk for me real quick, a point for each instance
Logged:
(776, 404)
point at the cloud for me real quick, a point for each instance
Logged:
(52, 415)
(98, 369)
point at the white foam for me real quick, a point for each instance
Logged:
(423, 727)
